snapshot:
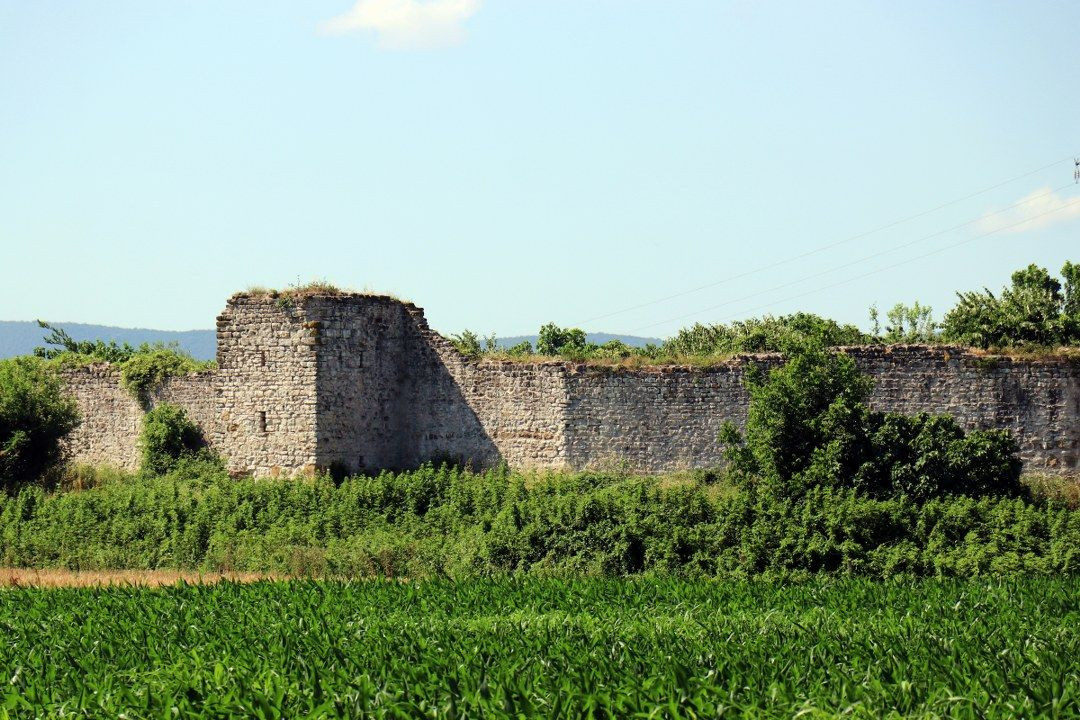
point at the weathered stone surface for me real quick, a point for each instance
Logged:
(361, 382)
(112, 418)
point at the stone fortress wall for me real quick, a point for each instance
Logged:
(360, 382)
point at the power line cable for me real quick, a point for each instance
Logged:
(1066, 206)
(881, 253)
(823, 248)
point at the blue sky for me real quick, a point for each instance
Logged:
(505, 163)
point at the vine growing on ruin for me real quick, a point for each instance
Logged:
(142, 368)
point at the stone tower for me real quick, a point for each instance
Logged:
(338, 381)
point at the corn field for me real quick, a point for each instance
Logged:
(657, 647)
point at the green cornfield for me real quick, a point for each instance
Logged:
(648, 647)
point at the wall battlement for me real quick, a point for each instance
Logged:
(360, 382)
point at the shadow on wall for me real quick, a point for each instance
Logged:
(446, 427)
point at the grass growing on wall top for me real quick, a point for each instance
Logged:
(312, 288)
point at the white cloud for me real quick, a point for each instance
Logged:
(407, 24)
(1040, 209)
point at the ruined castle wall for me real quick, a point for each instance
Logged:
(394, 394)
(266, 386)
(489, 412)
(112, 417)
(654, 419)
(365, 383)
(1038, 400)
(668, 418)
(362, 383)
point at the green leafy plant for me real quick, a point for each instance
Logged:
(142, 369)
(1036, 310)
(808, 426)
(149, 368)
(168, 437)
(764, 334)
(35, 415)
(906, 324)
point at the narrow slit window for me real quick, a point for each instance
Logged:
(262, 358)
(262, 421)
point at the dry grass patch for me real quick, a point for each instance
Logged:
(1065, 488)
(29, 577)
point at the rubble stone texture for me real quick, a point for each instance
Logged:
(357, 382)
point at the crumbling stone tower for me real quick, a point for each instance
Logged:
(350, 381)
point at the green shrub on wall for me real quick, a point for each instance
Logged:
(168, 437)
(1035, 310)
(35, 415)
(141, 369)
(808, 425)
(149, 368)
(764, 334)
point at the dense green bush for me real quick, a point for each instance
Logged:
(808, 425)
(449, 522)
(764, 334)
(35, 415)
(168, 437)
(1035, 310)
(554, 340)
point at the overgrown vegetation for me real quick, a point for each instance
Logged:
(142, 368)
(1036, 315)
(1036, 310)
(809, 426)
(906, 324)
(700, 344)
(287, 296)
(169, 437)
(35, 415)
(444, 521)
(765, 334)
(546, 648)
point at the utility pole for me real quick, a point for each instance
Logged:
(1076, 172)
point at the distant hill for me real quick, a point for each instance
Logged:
(19, 337)
(599, 338)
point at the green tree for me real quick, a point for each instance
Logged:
(1035, 310)
(808, 425)
(554, 340)
(813, 399)
(35, 415)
